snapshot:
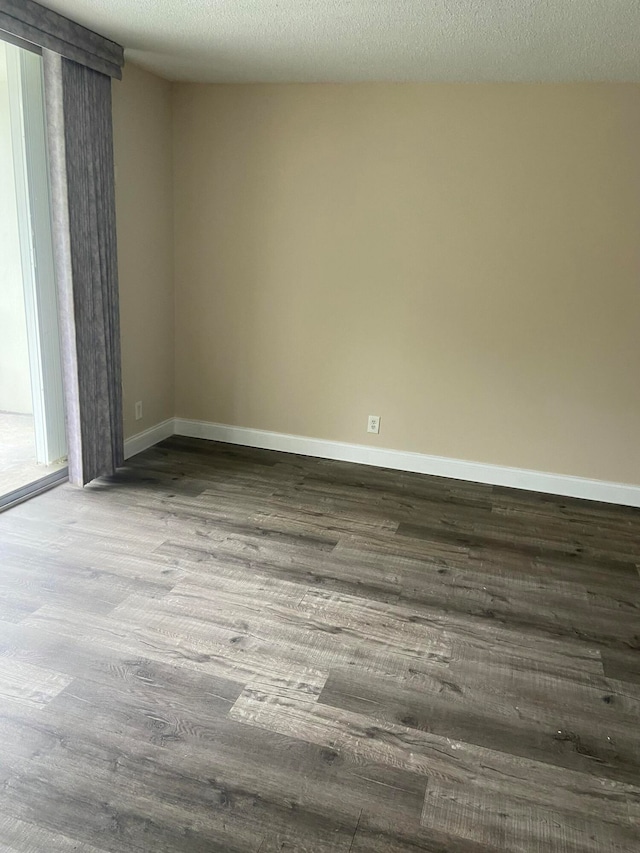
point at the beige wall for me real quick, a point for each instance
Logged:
(144, 209)
(461, 260)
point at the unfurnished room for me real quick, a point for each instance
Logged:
(319, 426)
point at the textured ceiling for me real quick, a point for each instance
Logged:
(359, 40)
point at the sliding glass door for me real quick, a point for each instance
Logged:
(32, 433)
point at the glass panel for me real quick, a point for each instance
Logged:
(32, 444)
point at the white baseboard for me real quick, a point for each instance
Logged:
(440, 466)
(148, 437)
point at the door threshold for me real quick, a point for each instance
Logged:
(37, 487)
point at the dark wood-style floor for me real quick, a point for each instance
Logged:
(225, 649)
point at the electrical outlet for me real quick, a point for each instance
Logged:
(373, 424)
(139, 410)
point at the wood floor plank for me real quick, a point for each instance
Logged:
(232, 649)
(623, 665)
(543, 787)
(540, 605)
(290, 790)
(368, 576)
(21, 837)
(455, 631)
(506, 713)
(368, 839)
(28, 683)
(527, 541)
(504, 822)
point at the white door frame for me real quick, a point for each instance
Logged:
(24, 75)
